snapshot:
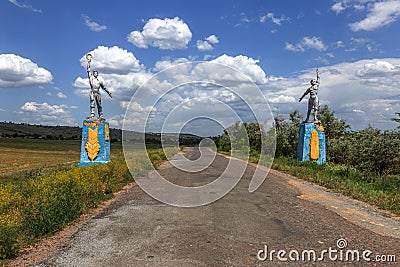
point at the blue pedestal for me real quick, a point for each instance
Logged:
(311, 144)
(95, 146)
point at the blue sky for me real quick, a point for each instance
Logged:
(277, 44)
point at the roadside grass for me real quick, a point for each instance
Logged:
(374, 190)
(40, 202)
(381, 192)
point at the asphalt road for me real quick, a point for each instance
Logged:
(284, 214)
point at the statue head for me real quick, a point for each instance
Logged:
(95, 73)
(313, 82)
(89, 57)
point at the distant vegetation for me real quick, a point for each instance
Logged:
(29, 131)
(43, 132)
(363, 164)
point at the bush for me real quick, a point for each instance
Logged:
(52, 202)
(10, 217)
(8, 241)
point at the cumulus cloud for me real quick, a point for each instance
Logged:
(282, 99)
(93, 26)
(203, 45)
(358, 5)
(345, 87)
(25, 5)
(61, 95)
(246, 65)
(165, 33)
(275, 20)
(338, 7)
(212, 39)
(45, 113)
(307, 43)
(16, 71)
(379, 15)
(112, 60)
(207, 43)
(378, 69)
(121, 72)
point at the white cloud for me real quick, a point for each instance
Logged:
(282, 99)
(246, 65)
(203, 45)
(112, 60)
(358, 5)
(275, 20)
(198, 88)
(94, 26)
(345, 87)
(307, 43)
(162, 33)
(339, 44)
(165, 64)
(379, 15)
(44, 113)
(213, 39)
(25, 5)
(338, 7)
(378, 69)
(294, 47)
(314, 43)
(61, 95)
(16, 71)
(121, 72)
(207, 43)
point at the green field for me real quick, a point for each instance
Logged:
(25, 154)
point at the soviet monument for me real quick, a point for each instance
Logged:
(311, 144)
(95, 146)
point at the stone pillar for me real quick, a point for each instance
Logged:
(95, 146)
(311, 144)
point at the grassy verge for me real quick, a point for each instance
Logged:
(39, 203)
(379, 192)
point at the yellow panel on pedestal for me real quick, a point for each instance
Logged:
(92, 145)
(314, 145)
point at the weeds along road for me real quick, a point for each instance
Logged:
(283, 214)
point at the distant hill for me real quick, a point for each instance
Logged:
(30, 131)
(24, 130)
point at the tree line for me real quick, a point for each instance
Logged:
(371, 150)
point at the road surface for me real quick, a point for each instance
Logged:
(284, 214)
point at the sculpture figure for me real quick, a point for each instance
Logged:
(95, 84)
(313, 102)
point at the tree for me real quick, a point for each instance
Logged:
(287, 134)
(334, 127)
(397, 119)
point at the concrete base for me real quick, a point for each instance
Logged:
(95, 146)
(311, 143)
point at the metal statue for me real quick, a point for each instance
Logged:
(95, 84)
(313, 102)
